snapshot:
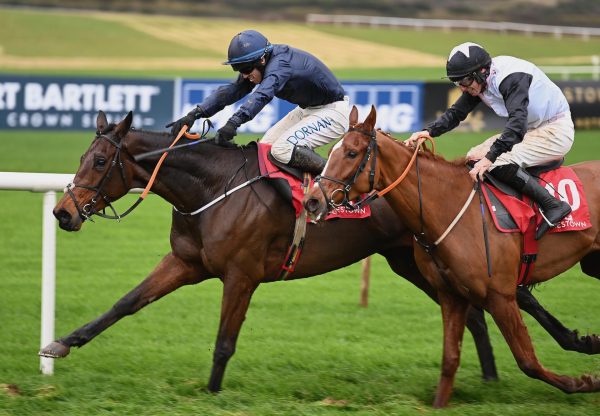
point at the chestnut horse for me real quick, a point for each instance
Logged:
(242, 240)
(427, 200)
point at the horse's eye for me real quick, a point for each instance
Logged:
(351, 154)
(99, 162)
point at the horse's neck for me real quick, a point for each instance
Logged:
(188, 178)
(444, 188)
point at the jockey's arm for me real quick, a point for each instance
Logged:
(515, 92)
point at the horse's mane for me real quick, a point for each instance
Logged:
(136, 130)
(427, 153)
(132, 129)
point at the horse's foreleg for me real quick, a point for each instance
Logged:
(506, 313)
(566, 338)
(454, 315)
(237, 292)
(170, 274)
(403, 263)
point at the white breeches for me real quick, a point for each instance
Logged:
(549, 142)
(311, 127)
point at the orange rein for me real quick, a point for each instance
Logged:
(182, 132)
(420, 142)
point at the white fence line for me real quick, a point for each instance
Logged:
(566, 71)
(48, 183)
(448, 25)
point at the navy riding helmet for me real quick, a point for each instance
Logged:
(247, 47)
(466, 59)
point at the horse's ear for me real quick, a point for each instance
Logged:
(101, 122)
(123, 127)
(353, 116)
(369, 123)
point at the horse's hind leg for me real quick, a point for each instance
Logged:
(454, 315)
(478, 327)
(505, 311)
(567, 339)
(590, 264)
(170, 274)
(237, 292)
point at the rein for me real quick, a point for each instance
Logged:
(89, 209)
(372, 147)
(420, 142)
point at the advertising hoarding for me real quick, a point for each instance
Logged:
(73, 103)
(399, 104)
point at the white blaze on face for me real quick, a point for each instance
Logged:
(336, 147)
(463, 48)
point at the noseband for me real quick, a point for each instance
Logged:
(370, 154)
(89, 209)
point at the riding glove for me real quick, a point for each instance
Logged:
(225, 134)
(187, 120)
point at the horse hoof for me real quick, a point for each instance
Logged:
(54, 350)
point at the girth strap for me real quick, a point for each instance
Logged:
(293, 254)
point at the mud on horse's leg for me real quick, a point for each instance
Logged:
(568, 339)
(237, 292)
(170, 274)
(506, 313)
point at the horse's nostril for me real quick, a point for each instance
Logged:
(62, 216)
(312, 205)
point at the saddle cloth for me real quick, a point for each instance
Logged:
(293, 191)
(511, 214)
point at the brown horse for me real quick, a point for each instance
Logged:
(427, 201)
(242, 240)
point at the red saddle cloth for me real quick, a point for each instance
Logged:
(274, 172)
(511, 214)
(563, 183)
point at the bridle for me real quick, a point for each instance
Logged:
(370, 154)
(371, 195)
(89, 209)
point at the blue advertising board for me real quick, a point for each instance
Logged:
(399, 104)
(73, 103)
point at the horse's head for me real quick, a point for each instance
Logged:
(102, 176)
(350, 170)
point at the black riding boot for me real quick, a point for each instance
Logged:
(307, 160)
(553, 210)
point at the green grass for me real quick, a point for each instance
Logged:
(306, 347)
(440, 43)
(29, 33)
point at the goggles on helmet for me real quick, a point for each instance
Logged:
(465, 82)
(244, 68)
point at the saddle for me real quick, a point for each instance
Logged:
(290, 182)
(535, 171)
(513, 212)
(295, 172)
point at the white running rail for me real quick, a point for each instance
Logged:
(447, 24)
(48, 183)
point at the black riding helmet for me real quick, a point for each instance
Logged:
(467, 59)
